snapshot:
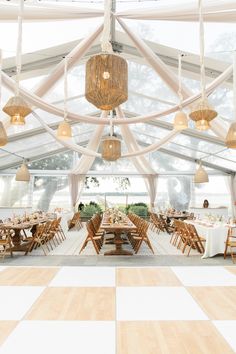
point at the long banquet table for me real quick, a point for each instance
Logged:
(117, 229)
(215, 235)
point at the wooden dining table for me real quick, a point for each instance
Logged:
(118, 229)
(18, 244)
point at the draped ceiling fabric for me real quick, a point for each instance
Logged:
(45, 106)
(167, 75)
(72, 58)
(46, 12)
(140, 162)
(183, 12)
(231, 186)
(213, 11)
(78, 174)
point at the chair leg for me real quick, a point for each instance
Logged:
(226, 248)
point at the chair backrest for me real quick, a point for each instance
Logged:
(192, 231)
(75, 217)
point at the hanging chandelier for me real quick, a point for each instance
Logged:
(202, 111)
(64, 128)
(181, 119)
(22, 174)
(16, 107)
(111, 145)
(106, 80)
(231, 137)
(201, 175)
(111, 148)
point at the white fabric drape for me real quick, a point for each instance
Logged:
(214, 11)
(66, 143)
(231, 184)
(72, 58)
(89, 152)
(153, 147)
(40, 103)
(46, 12)
(140, 163)
(156, 63)
(106, 34)
(78, 174)
(167, 75)
(76, 185)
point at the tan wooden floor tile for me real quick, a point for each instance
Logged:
(94, 304)
(159, 276)
(6, 327)
(168, 337)
(31, 276)
(219, 303)
(231, 269)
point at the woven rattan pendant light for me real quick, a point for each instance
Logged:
(22, 174)
(111, 146)
(181, 119)
(201, 175)
(202, 124)
(106, 81)
(64, 128)
(231, 135)
(202, 111)
(16, 107)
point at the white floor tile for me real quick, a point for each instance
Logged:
(228, 331)
(157, 303)
(16, 300)
(84, 276)
(61, 337)
(205, 276)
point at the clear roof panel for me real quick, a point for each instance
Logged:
(147, 91)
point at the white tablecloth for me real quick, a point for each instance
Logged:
(202, 212)
(215, 238)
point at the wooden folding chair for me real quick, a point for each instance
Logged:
(137, 238)
(5, 243)
(97, 240)
(168, 228)
(195, 241)
(231, 243)
(75, 221)
(38, 239)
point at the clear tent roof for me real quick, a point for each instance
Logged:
(147, 91)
